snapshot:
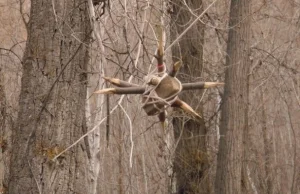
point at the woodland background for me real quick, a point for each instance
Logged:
(68, 46)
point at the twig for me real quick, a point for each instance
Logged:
(10, 50)
(37, 184)
(131, 134)
(83, 136)
(46, 99)
(191, 25)
(54, 12)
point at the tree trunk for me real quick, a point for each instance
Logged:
(267, 141)
(3, 140)
(234, 123)
(52, 101)
(191, 159)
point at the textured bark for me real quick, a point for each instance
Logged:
(234, 123)
(3, 140)
(191, 159)
(52, 101)
(267, 149)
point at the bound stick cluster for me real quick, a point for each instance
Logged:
(160, 90)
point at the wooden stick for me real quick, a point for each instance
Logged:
(155, 80)
(162, 119)
(175, 69)
(126, 90)
(119, 83)
(201, 85)
(160, 51)
(184, 106)
(141, 89)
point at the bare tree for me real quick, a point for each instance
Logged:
(191, 159)
(234, 116)
(52, 101)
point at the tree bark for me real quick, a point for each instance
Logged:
(3, 140)
(191, 159)
(52, 101)
(267, 141)
(234, 123)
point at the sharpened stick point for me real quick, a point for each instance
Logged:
(175, 69)
(112, 80)
(118, 82)
(106, 91)
(212, 84)
(184, 106)
(162, 119)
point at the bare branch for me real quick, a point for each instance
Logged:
(191, 25)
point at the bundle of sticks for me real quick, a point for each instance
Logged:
(164, 88)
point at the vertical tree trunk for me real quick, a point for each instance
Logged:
(3, 140)
(267, 149)
(234, 123)
(52, 101)
(191, 160)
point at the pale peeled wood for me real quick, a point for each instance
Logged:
(168, 87)
(184, 106)
(175, 69)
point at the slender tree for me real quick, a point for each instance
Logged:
(191, 159)
(234, 123)
(52, 101)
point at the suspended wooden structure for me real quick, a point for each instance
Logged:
(160, 90)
